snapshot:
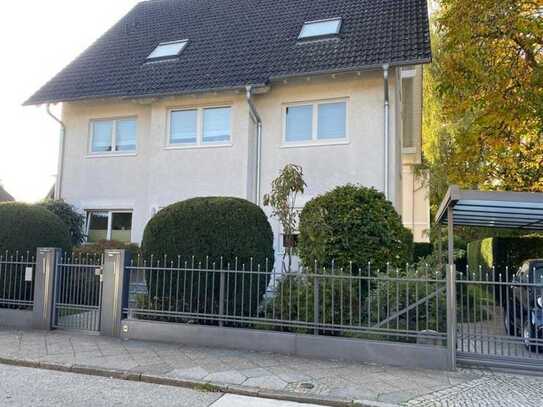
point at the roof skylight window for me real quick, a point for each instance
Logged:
(320, 28)
(168, 49)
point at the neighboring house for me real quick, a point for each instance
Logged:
(197, 97)
(5, 196)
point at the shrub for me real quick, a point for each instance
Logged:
(210, 230)
(502, 252)
(26, 227)
(293, 301)
(73, 220)
(416, 304)
(421, 250)
(343, 229)
(353, 224)
(97, 249)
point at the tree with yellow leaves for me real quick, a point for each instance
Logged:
(483, 124)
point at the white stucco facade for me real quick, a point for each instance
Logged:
(157, 174)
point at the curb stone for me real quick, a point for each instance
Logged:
(198, 385)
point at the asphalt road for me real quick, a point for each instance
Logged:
(21, 386)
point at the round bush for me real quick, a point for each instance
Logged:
(26, 227)
(353, 225)
(205, 232)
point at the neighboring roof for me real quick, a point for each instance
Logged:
(234, 43)
(508, 210)
(4, 196)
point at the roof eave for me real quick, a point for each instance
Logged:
(31, 102)
(365, 68)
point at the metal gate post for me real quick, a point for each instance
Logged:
(47, 260)
(451, 293)
(113, 291)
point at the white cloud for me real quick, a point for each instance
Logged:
(37, 39)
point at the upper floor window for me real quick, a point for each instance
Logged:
(168, 49)
(203, 126)
(320, 28)
(313, 122)
(113, 136)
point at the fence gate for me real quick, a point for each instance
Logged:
(78, 294)
(500, 320)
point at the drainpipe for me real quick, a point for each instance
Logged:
(58, 183)
(387, 129)
(258, 121)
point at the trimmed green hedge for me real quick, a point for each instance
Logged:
(353, 224)
(26, 227)
(502, 252)
(98, 248)
(214, 227)
(211, 230)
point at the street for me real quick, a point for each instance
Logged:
(28, 387)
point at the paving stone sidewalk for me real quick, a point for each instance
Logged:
(330, 379)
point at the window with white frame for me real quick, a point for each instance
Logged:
(169, 49)
(320, 28)
(202, 126)
(318, 121)
(109, 225)
(113, 136)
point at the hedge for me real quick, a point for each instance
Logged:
(502, 252)
(98, 248)
(353, 225)
(208, 232)
(26, 227)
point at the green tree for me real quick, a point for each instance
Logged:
(483, 124)
(282, 199)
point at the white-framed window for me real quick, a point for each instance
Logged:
(320, 28)
(206, 126)
(113, 136)
(315, 122)
(109, 225)
(169, 49)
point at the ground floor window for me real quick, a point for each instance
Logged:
(109, 225)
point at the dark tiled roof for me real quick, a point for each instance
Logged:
(5, 196)
(238, 42)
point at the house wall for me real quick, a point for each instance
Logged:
(156, 175)
(416, 204)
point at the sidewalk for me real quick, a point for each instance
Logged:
(267, 375)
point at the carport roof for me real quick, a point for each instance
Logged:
(511, 210)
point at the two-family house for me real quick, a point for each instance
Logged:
(185, 98)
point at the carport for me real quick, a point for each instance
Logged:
(485, 343)
(506, 210)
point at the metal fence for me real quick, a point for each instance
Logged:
(394, 304)
(78, 292)
(500, 315)
(17, 280)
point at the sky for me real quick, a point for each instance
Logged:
(37, 39)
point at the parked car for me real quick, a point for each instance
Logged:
(524, 305)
